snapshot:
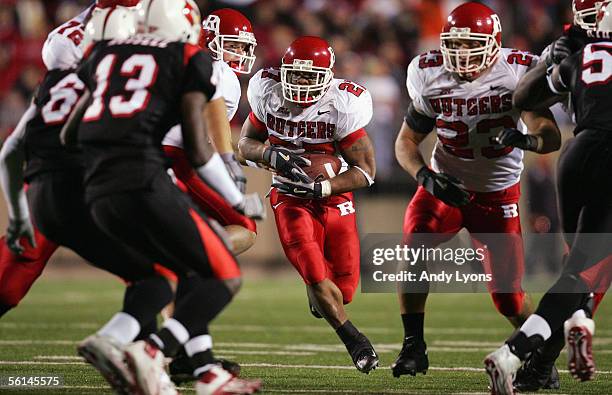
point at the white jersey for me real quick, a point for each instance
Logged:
(228, 87)
(62, 48)
(333, 122)
(469, 115)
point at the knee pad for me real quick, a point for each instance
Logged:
(508, 304)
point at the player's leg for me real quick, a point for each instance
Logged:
(18, 272)
(493, 219)
(427, 221)
(61, 215)
(241, 230)
(341, 251)
(208, 273)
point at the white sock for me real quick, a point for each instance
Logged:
(536, 325)
(177, 329)
(198, 344)
(122, 327)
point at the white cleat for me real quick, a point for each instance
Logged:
(501, 366)
(147, 366)
(579, 331)
(106, 355)
(218, 381)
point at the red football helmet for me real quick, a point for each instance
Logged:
(310, 58)
(585, 13)
(471, 39)
(223, 33)
(115, 3)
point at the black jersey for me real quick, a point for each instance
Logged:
(55, 99)
(136, 87)
(587, 75)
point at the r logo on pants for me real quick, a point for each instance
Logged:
(510, 210)
(346, 208)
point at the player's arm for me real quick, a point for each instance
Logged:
(198, 117)
(543, 137)
(70, 130)
(533, 92)
(12, 159)
(362, 167)
(414, 130)
(252, 147)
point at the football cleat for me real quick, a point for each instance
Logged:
(412, 359)
(146, 363)
(535, 375)
(363, 355)
(579, 332)
(218, 381)
(181, 370)
(501, 366)
(106, 355)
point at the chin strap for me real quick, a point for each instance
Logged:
(366, 175)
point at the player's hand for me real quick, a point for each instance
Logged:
(234, 168)
(443, 186)
(17, 229)
(287, 163)
(252, 206)
(512, 137)
(308, 190)
(559, 50)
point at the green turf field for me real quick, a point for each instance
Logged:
(269, 330)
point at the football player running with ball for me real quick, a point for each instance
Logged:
(302, 108)
(465, 91)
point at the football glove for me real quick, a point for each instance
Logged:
(252, 206)
(17, 229)
(512, 137)
(443, 186)
(559, 50)
(287, 163)
(234, 168)
(308, 190)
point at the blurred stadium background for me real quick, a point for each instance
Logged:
(374, 41)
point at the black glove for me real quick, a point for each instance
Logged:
(559, 50)
(443, 186)
(16, 230)
(234, 168)
(512, 137)
(310, 190)
(287, 163)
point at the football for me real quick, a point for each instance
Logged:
(322, 166)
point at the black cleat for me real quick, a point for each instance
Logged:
(363, 354)
(412, 359)
(535, 375)
(314, 311)
(182, 372)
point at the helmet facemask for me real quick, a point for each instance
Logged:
(241, 62)
(319, 80)
(586, 19)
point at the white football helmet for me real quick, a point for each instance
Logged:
(604, 18)
(110, 23)
(173, 20)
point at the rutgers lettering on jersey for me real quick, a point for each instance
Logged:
(136, 87)
(587, 74)
(469, 115)
(56, 97)
(326, 125)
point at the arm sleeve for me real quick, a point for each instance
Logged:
(201, 75)
(418, 122)
(12, 157)
(415, 83)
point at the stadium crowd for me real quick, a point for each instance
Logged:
(374, 40)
